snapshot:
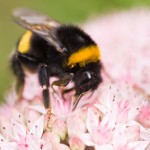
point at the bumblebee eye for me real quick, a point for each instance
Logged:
(88, 74)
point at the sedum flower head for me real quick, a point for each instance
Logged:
(116, 117)
(104, 124)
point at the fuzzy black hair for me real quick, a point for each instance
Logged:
(73, 38)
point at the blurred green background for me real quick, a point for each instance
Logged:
(67, 11)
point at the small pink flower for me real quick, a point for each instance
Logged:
(60, 128)
(76, 143)
(144, 116)
(122, 111)
(49, 140)
(101, 135)
(28, 139)
(75, 125)
(125, 58)
(32, 116)
(132, 133)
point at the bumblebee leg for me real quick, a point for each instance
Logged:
(64, 81)
(28, 60)
(18, 72)
(44, 82)
(42, 74)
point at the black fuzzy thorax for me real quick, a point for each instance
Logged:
(73, 38)
(70, 37)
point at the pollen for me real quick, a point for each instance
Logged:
(84, 56)
(24, 44)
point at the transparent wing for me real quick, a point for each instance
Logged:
(40, 24)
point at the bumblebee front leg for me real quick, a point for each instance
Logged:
(64, 81)
(44, 82)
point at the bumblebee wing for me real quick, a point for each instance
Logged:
(40, 24)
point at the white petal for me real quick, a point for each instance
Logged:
(139, 145)
(2, 138)
(144, 132)
(59, 128)
(38, 108)
(92, 120)
(33, 144)
(50, 138)
(37, 129)
(86, 139)
(132, 133)
(7, 145)
(103, 147)
(61, 147)
(18, 129)
(75, 125)
(101, 108)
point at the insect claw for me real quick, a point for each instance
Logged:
(76, 101)
(48, 116)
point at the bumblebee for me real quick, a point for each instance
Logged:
(52, 49)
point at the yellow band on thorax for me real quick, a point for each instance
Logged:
(84, 56)
(24, 44)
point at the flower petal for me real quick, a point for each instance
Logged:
(92, 120)
(104, 147)
(60, 129)
(37, 128)
(76, 143)
(61, 147)
(18, 129)
(32, 116)
(101, 135)
(86, 139)
(132, 133)
(50, 137)
(7, 145)
(75, 125)
(38, 108)
(33, 143)
(139, 145)
(144, 116)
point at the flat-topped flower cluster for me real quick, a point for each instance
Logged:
(115, 117)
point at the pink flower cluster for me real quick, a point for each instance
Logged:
(124, 38)
(116, 117)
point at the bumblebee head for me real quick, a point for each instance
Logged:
(81, 49)
(83, 58)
